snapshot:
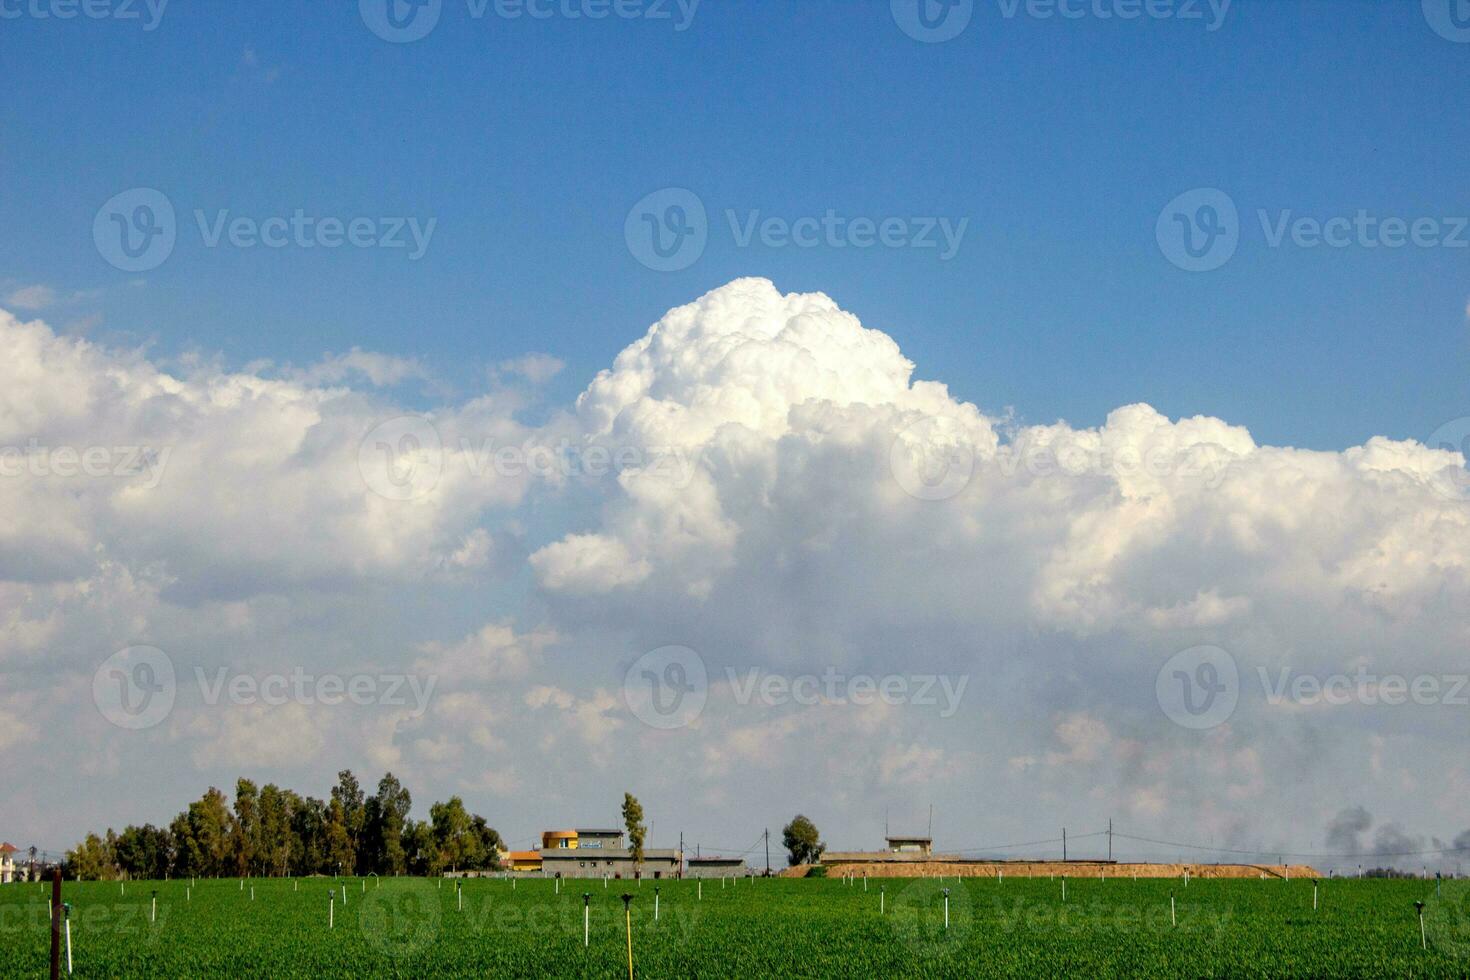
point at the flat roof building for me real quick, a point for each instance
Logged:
(613, 862)
(594, 838)
(715, 867)
(522, 861)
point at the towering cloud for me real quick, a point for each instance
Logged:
(761, 478)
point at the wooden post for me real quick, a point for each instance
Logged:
(56, 925)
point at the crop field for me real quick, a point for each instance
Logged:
(761, 927)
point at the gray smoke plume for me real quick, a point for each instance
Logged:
(1345, 832)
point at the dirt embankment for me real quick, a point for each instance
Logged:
(1042, 869)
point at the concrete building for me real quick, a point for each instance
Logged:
(591, 852)
(615, 862)
(897, 850)
(7, 862)
(599, 839)
(716, 867)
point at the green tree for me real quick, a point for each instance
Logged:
(489, 843)
(210, 827)
(183, 851)
(245, 836)
(273, 840)
(803, 842)
(387, 815)
(309, 836)
(633, 820)
(349, 796)
(143, 852)
(418, 845)
(92, 860)
(340, 854)
(454, 836)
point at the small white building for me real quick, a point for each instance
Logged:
(7, 862)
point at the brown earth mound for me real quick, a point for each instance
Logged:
(1043, 869)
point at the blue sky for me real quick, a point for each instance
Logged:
(529, 140)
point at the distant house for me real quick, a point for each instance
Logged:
(558, 840)
(612, 862)
(898, 850)
(591, 852)
(716, 867)
(911, 845)
(7, 862)
(598, 839)
(522, 861)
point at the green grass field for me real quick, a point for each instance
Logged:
(813, 927)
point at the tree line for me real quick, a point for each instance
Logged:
(270, 831)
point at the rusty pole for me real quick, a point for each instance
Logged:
(56, 925)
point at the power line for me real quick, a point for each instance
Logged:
(1029, 843)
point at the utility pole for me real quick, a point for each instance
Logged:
(681, 854)
(1064, 845)
(1110, 840)
(768, 852)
